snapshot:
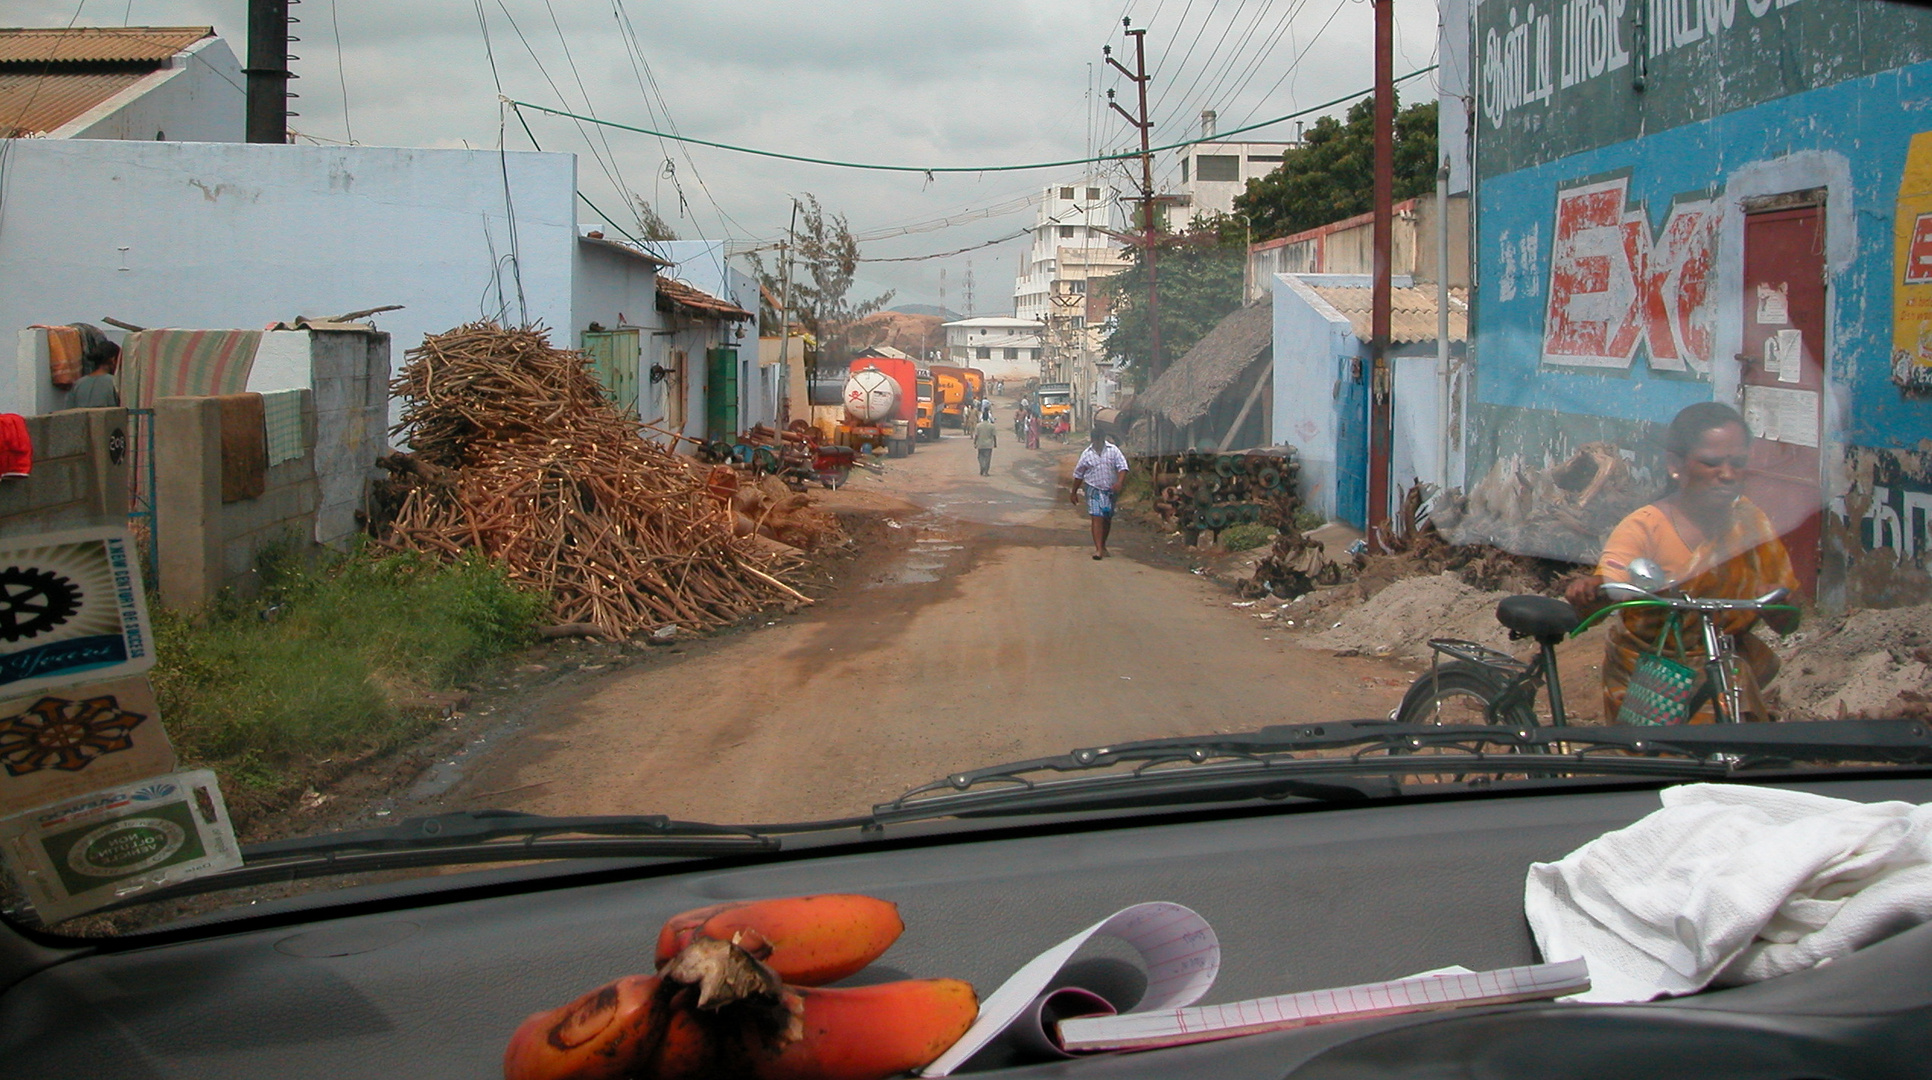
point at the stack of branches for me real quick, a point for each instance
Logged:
(519, 454)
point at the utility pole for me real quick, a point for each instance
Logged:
(267, 70)
(1381, 378)
(785, 315)
(1141, 78)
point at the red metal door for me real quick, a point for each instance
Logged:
(1784, 374)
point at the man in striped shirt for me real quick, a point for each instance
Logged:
(1102, 469)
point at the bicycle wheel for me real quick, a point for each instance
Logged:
(1459, 692)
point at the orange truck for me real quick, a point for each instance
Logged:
(881, 405)
(926, 416)
(952, 394)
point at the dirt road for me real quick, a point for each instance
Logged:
(980, 632)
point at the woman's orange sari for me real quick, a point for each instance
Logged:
(1745, 561)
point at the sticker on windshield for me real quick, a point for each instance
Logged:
(85, 853)
(71, 740)
(71, 608)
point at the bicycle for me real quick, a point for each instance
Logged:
(1481, 685)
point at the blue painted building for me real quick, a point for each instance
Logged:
(1694, 200)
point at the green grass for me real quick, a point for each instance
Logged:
(315, 667)
(1247, 535)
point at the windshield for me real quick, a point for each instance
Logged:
(620, 460)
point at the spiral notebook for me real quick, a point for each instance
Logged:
(1422, 993)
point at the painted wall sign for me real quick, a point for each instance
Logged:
(1614, 285)
(1912, 270)
(1559, 76)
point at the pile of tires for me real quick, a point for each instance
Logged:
(1208, 492)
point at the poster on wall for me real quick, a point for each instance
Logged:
(67, 741)
(85, 853)
(71, 610)
(1912, 271)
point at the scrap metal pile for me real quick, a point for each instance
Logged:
(1198, 492)
(1563, 511)
(518, 453)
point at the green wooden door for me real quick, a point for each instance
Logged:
(721, 393)
(613, 355)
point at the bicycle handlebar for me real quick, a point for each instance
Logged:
(1767, 602)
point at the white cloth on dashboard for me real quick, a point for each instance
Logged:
(1731, 884)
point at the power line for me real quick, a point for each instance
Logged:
(1294, 64)
(1343, 100)
(340, 79)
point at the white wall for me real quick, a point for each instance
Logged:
(611, 289)
(225, 235)
(198, 98)
(1312, 343)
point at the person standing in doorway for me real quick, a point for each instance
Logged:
(986, 436)
(1102, 470)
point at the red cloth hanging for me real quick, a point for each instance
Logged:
(16, 446)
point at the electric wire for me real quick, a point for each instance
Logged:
(878, 167)
(570, 57)
(1295, 64)
(725, 219)
(606, 167)
(1207, 65)
(341, 79)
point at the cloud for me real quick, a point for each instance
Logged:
(922, 82)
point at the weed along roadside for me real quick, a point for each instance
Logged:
(333, 664)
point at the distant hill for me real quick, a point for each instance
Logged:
(913, 334)
(945, 314)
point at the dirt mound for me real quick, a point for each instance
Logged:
(1401, 618)
(1870, 663)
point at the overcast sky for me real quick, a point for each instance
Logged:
(908, 82)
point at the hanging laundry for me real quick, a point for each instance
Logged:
(282, 415)
(185, 363)
(16, 447)
(244, 447)
(64, 348)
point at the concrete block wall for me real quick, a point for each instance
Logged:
(79, 478)
(351, 428)
(205, 544)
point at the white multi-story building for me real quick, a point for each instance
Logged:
(1071, 246)
(1213, 173)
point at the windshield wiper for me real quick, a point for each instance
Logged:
(1359, 760)
(472, 836)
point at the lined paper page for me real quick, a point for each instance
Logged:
(1178, 947)
(1172, 1027)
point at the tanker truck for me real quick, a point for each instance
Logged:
(881, 403)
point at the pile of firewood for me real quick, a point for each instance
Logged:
(1563, 511)
(518, 453)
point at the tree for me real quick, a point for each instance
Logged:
(650, 225)
(824, 249)
(1332, 176)
(1200, 273)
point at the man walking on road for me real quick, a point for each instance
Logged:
(1103, 469)
(986, 435)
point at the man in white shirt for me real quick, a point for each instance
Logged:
(1102, 470)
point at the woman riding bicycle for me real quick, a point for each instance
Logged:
(1710, 541)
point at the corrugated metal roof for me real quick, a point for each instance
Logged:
(1187, 390)
(1412, 312)
(96, 44)
(36, 103)
(677, 292)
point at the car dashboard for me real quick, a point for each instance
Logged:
(1302, 897)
